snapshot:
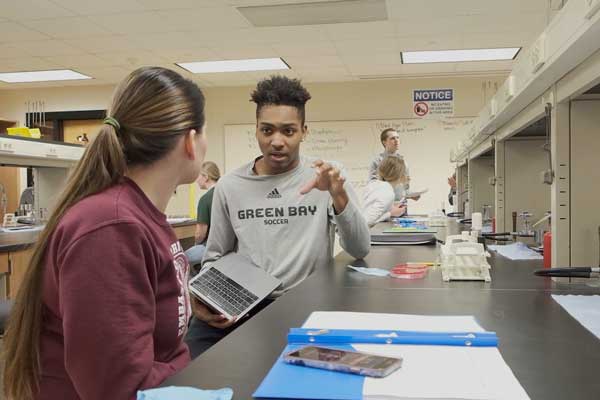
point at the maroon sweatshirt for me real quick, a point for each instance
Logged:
(115, 302)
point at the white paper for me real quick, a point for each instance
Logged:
(516, 251)
(404, 322)
(429, 372)
(585, 309)
(178, 220)
(416, 193)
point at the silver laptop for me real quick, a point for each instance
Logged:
(232, 285)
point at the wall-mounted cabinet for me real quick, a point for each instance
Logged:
(31, 152)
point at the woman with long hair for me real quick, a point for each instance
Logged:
(104, 307)
(378, 196)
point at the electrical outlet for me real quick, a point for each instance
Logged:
(492, 180)
(547, 176)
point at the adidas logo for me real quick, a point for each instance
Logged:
(274, 194)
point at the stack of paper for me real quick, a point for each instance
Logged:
(428, 372)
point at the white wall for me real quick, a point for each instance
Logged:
(386, 99)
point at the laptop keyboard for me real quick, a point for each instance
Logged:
(224, 291)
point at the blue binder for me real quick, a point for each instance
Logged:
(287, 381)
(340, 336)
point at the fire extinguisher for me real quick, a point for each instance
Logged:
(548, 250)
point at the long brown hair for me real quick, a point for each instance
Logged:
(153, 107)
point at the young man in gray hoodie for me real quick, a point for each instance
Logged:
(282, 209)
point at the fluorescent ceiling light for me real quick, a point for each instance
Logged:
(42, 76)
(439, 56)
(257, 64)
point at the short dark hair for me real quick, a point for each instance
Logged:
(280, 91)
(384, 134)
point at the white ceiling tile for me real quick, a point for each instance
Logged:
(245, 3)
(79, 61)
(370, 45)
(26, 64)
(43, 48)
(165, 40)
(116, 73)
(438, 8)
(175, 4)
(495, 40)
(11, 32)
(12, 51)
(232, 52)
(121, 35)
(431, 42)
(374, 59)
(291, 34)
(314, 62)
(204, 19)
(103, 44)
(132, 23)
(364, 30)
(131, 59)
(233, 37)
(435, 26)
(322, 72)
(228, 78)
(86, 7)
(320, 48)
(23, 10)
(66, 28)
(188, 55)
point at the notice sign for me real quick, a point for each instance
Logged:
(433, 103)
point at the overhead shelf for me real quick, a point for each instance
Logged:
(570, 39)
(26, 152)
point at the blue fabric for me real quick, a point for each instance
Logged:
(184, 393)
(195, 253)
(287, 381)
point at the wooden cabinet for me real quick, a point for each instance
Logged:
(5, 123)
(14, 265)
(4, 267)
(185, 231)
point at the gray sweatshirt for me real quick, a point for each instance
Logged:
(287, 234)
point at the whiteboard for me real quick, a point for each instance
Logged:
(424, 143)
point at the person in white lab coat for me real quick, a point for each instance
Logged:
(379, 194)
